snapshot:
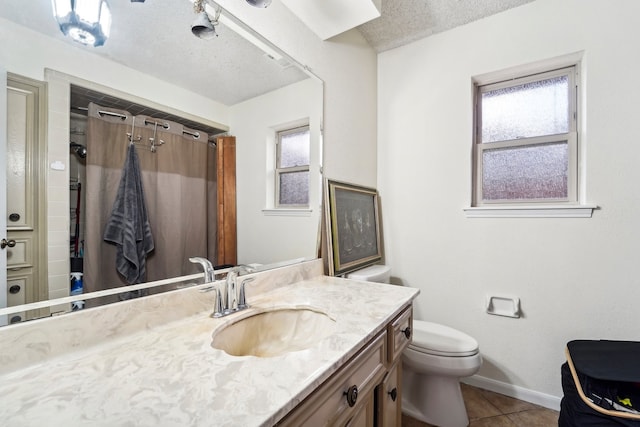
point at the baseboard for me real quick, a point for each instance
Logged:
(517, 392)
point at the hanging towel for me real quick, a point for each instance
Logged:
(128, 226)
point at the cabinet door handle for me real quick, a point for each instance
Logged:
(407, 331)
(4, 243)
(14, 217)
(393, 393)
(14, 289)
(352, 395)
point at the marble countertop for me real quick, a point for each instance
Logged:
(170, 375)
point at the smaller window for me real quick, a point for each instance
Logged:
(526, 140)
(292, 167)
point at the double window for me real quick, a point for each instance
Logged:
(293, 147)
(525, 141)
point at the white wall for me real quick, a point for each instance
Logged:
(262, 235)
(347, 65)
(577, 278)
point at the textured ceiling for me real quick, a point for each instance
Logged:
(405, 21)
(155, 38)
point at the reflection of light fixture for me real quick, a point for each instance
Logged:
(79, 149)
(259, 3)
(203, 27)
(85, 21)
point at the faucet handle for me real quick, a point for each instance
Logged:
(219, 309)
(242, 299)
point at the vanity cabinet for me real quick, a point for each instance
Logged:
(400, 333)
(347, 397)
(389, 395)
(366, 391)
(389, 392)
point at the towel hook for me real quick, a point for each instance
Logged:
(153, 138)
(133, 139)
(154, 146)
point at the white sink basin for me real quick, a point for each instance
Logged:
(273, 333)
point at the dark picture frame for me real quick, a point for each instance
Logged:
(353, 226)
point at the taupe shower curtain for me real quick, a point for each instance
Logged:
(179, 188)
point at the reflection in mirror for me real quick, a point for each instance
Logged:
(170, 76)
(61, 305)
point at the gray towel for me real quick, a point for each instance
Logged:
(128, 226)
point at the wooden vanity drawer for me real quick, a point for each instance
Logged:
(328, 405)
(400, 332)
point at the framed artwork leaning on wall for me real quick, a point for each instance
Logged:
(353, 226)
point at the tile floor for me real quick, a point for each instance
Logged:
(489, 409)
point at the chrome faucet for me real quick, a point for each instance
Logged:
(209, 277)
(209, 273)
(234, 301)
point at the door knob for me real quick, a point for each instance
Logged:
(4, 243)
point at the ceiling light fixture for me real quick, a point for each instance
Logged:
(85, 21)
(203, 27)
(259, 3)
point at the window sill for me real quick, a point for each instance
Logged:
(287, 212)
(555, 211)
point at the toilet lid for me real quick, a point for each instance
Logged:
(372, 273)
(440, 340)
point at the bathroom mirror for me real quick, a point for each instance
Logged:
(237, 81)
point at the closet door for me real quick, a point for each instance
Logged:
(3, 193)
(26, 275)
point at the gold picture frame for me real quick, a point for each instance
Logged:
(353, 226)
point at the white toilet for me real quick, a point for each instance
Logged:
(432, 365)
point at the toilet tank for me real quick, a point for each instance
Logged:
(373, 273)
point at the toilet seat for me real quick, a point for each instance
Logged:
(439, 340)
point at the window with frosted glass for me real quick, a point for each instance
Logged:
(531, 109)
(294, 188)
(526, 139)
(292, 168)
(526, 172)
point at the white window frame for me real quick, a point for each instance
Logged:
(565, 207)
(279, 171)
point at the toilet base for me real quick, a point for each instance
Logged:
(433, 399)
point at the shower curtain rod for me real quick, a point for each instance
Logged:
(195, 135)
(165, 125)
(103, 113)
(109, 113)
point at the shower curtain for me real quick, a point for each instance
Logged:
(179, 187)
